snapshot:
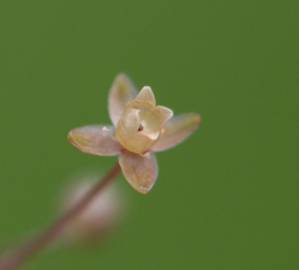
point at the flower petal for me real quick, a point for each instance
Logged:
(95, 140)
(176, 131)
(165, 114)
(141, 172)
(146, 94)
(122, 91)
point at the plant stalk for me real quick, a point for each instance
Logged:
(41, 241)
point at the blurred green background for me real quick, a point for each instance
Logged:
(226, 199)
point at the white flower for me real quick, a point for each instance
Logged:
(140, 129)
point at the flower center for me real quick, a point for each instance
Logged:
(138, 129)
(149, 124)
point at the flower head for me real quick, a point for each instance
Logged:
(141, 127)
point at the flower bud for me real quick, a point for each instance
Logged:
(98, 218)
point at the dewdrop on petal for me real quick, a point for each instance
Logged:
(101, 216)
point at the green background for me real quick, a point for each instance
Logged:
(226, 199)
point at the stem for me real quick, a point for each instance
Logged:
(52, 232)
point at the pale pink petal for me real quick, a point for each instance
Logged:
(121, 92)
(95, 140)
(140, 171)
(176, 131)
(146, 94)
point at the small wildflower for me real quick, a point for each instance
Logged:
(141, 127)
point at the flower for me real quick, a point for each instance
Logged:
(140, 129)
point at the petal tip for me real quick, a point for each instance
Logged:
(71, 138)
(143, 190)
(122, 77)
(77, 140)
(146, 94)
(197, 119)
(166, 113)
(123, 84)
